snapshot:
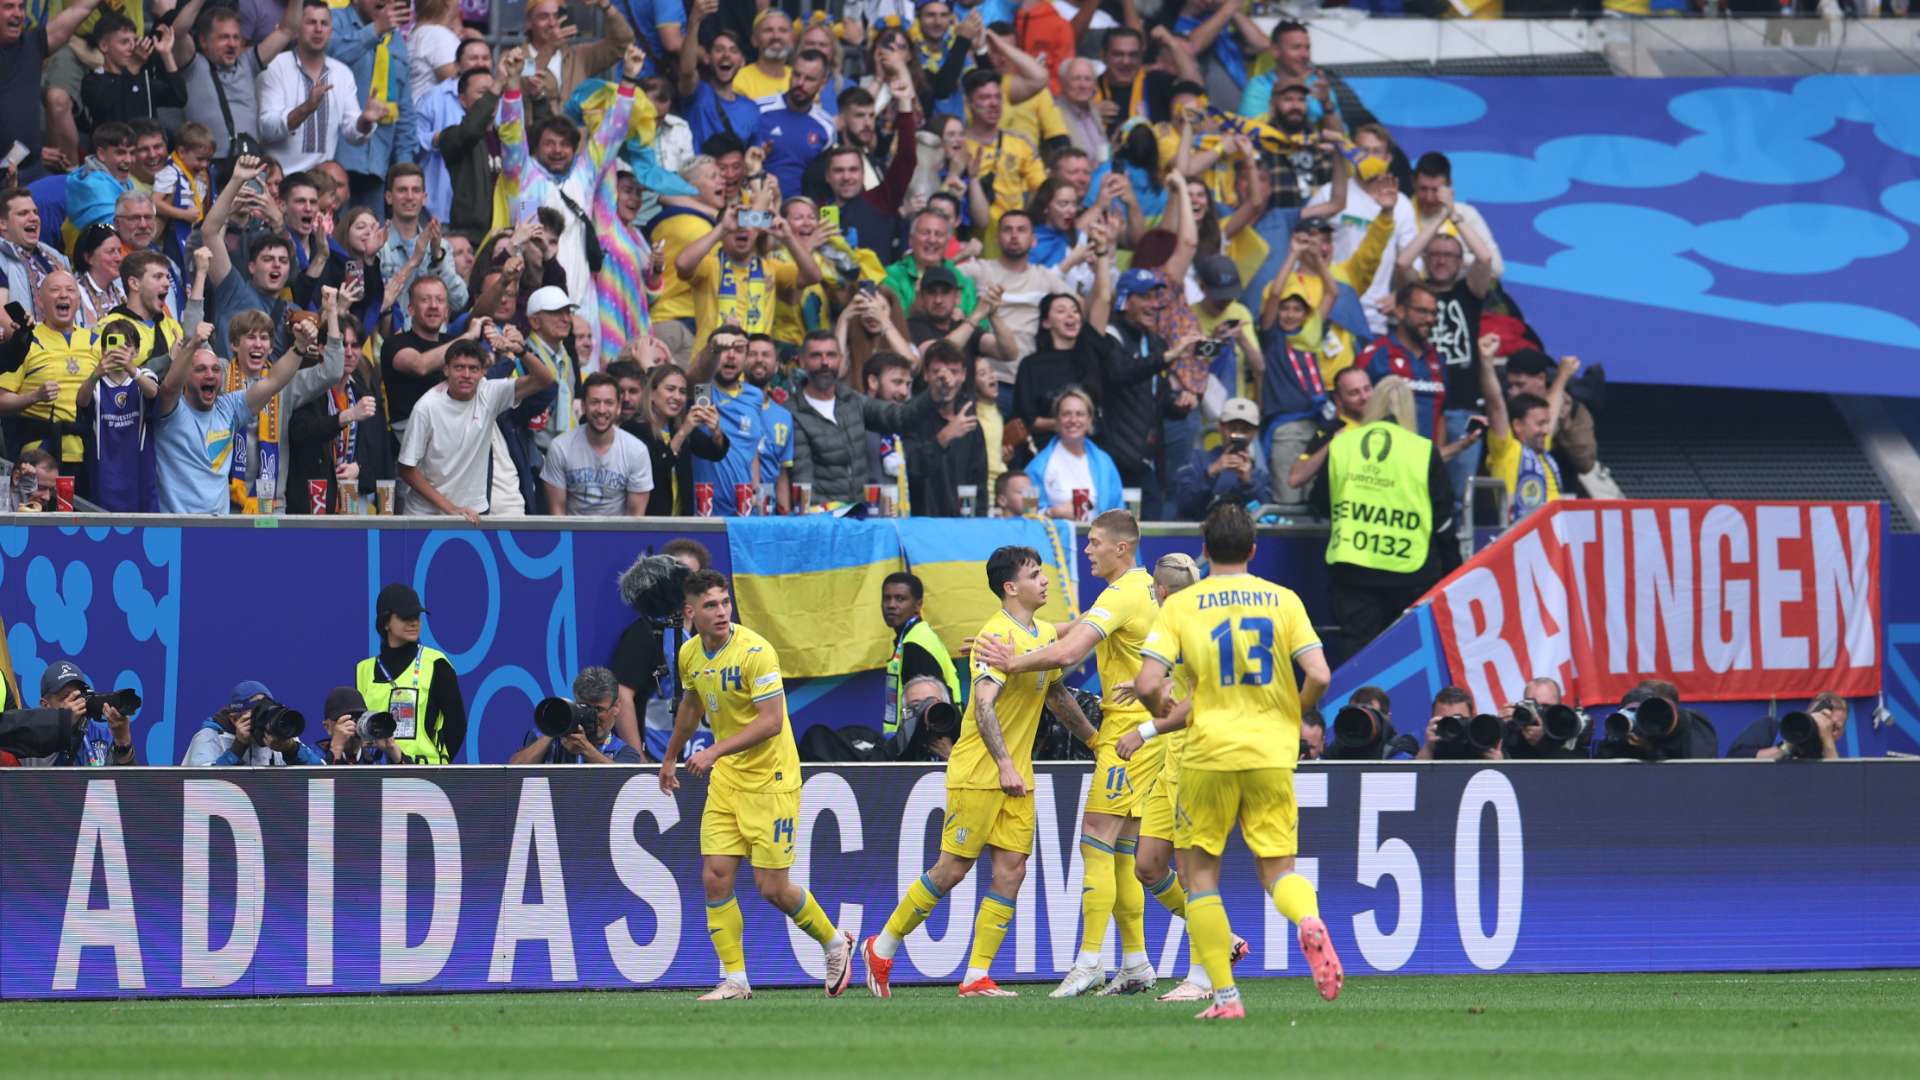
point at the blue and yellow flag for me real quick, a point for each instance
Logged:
(950, 558)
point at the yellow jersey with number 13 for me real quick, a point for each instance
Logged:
(1022, 697)
(1122, 616)
(731, 684)
(1237, 637)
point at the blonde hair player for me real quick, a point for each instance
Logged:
(1237, 637)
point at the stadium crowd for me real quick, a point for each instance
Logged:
(712, 258)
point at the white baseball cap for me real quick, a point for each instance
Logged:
(549, 298)
(1240, 409)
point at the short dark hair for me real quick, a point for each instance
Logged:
(1528, 361)
(882, 362)
(143, 126)
(559, 125)
(626, 369)
(139, 262)
(113, 132)
(465, 348)
(976, 79)
(203, 25)
(1227, 534)
(401, 169)
(1016, 212)
(812, 56)
(1000, 482)
(1434, 163)
(1451, 695)
(761, 338)
(1289, 26)
(1660, 688)
(1313, 718)
(108, 24)
(271, 240)
(703, 581)
(1405, 293)
(1005, 564)
(842, 149)
(599, 378)
(942, 351)
(721, 144)
(468, 43)
(856, 95)
(467, 77)
(298, 180)
(1351, 369)
(1372, 697)
(914, 588)
(1120, 33)
(1519, 405)
(688, 546)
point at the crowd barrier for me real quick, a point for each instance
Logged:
(175, 882)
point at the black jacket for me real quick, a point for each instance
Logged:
(935, 472)
(520, 447)
(311, 431)
(1137, 396)
(832, 454)
(472, 167)
(673, 473)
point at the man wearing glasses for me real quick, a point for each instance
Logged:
(596, 688)
(717, 376)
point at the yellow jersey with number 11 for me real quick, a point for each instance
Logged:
(731, 684)
(1021, 699)
(1237, 636)
(1122, 616)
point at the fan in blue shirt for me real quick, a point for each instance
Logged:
(796, 134)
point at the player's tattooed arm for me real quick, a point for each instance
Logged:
(985, 691)
(1067, 711)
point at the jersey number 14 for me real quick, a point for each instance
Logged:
(1256, 667)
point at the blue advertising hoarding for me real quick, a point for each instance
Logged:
(314, 881)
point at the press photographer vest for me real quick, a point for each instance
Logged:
(1377, 480)
(424, 747)
(918, 633)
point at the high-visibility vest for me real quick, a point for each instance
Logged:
(918, 633)
(424, 747)
(1377, 481)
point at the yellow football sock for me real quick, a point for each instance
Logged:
(1171, 894)
(914, 908)
(1129, 900)
(1295, 898)
(810, 918)
(1096, 893)
(990, 929)
(727, 931)
(1211, 938)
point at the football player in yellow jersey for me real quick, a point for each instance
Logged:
(732, 677)
(1113, 628)
(1237, 637)
(989, 781)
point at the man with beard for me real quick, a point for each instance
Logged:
(870, 213)
(221, 72)
(948, 450)
(258, 476)
(199, 424)
(935, 316)
(768, 77)
(412, 363)
(597, 470)
(443, 106)
(1022, 285)
(308, 101)
(735, 285)
(713, 106)
(269, 263)
(1407, 351)
(1297, 159)
(830, 426)
(558, 67)
(25, 260)
(794, 134)
(723, 360)
(1292, 63)
(776, 422)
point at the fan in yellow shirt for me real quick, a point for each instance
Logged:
(732, 678)
(1238, 637)
(736, 285)
(989, 780)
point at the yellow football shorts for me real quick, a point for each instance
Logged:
(757, 824)
(1260, 800)
(978, 817)
(1121, 788)
(1156, 809)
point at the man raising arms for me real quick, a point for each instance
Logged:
(989, 781)
(1243, 740)
(732, 677)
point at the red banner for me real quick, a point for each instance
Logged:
(1728, 601)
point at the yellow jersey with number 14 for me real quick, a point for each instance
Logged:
(1123, 616)
(1237, 636)
(731, 684)
(1018, 706)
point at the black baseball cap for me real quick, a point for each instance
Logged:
(399, 600)
(938, 277)
(61, 675)
(1219, 277)
(344, 701)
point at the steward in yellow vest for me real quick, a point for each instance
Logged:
(917, 650)
(415, 683)
(1392, 513)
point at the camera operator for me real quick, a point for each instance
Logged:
(1652, 725)
(1529, 721)
(1814, 734)
(241, 733)
(1313, 735)
(578, 732)
(1455, 733)
(1363, 730)
(644, 658)
(354, 736)
(102, 733)
(929, 723)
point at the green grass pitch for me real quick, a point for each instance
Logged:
(1804, 1026)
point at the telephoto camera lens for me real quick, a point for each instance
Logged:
(378, 727)
(556, 717)
(274, 722)
(1799, 736)
(1358, 731)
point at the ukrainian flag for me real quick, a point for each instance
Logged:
(950, 557)
(811, 586)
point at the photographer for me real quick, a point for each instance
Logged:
(929, 723)
(1454, 733)
(1363, 730)
(1540, 725)
(1313, 735)
(1814, 734)
(578, 732)
(355, 736)
(1651, 725)
(102, 733)
(644, 658)
(1235, 472)
(251, 729)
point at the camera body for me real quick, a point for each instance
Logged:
(274, 722)
(556, 718)
(1800, 738)
(1565, 729)
(1465, 738)
(125, 702)
(378, 727)
(1639, 731)
(1363, 733)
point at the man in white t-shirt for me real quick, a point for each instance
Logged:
(597, 470)
(1022, 285)
(1350, 227)
(449, 440)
